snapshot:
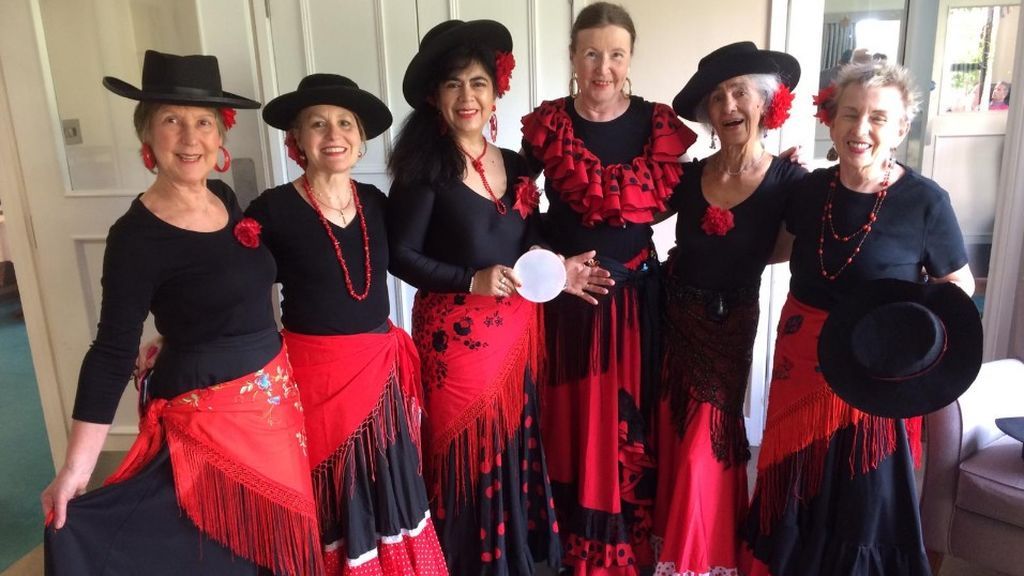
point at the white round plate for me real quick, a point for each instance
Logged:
(542, 274)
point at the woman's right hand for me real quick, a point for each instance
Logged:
(68, 484)
(498, 280)
(84, 447)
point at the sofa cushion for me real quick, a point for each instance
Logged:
(992, 482)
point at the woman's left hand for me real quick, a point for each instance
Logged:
(584, 278)
(793, 155)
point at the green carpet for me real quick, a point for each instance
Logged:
(25, 464)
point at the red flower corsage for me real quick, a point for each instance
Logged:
(778, 112)
(247, 231)
(822, 100)
(504, 62)
(293, 150)
(716, 221)
(527, 197)
(227, 115)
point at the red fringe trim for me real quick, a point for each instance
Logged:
(257, 519)
(616, 194)
(474, 442)
(372, 437)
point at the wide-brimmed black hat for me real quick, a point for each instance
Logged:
(186, 80)
(730, 61)
(438, 41)
(900, 349)
(334, 90)
(1014, 428)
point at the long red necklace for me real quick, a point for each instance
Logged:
(862, 231)
(334, 240)
(479, 167)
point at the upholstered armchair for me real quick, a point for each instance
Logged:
(972, 503)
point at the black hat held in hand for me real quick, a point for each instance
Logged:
(901, 349)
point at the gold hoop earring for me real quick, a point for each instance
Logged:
(574, 86)
(627, 87)
(362, 149)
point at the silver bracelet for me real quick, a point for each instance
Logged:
(471, 279)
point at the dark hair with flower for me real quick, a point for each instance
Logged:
(504, 63)
(824, 100)
(776, 114)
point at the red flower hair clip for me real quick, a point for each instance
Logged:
(504, 63)
(822, 100)
(527, 197)
(227, 115)
(292, 146)
(247, 232)
(778, 111)
(716, 221)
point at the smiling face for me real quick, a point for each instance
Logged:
(185, 142)
(734, 109)
(601, 63)
(331, 138)
(869, 122)
(466, 100)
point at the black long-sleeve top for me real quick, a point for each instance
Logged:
(316, 300)
(616, 141)
(916, 230)
(210, 297)
(737, 259)
(441, 237)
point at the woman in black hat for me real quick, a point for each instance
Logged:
(729, 210)
(610, 162)
(835, 490)
(460, 213)
(217, 481)
(358, 373)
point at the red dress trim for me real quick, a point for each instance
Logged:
(475, 350)
(238, 452)
(804, 414)
(614, 194)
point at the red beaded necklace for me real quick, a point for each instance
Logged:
(862, 231)
(479, 167)
(334, 240)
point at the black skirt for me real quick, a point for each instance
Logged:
(136, 527)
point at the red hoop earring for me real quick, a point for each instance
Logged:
(227, 161)
(148, 159)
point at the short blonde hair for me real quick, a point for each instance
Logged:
(875, 75)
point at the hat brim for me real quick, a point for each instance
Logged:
(954, 372)
(487, 33)
(373, 114)
(704, 81)
(225, 100)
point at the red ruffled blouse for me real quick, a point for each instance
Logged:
(615, 194)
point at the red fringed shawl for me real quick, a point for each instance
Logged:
(475, 351)
(238, 451)
(803, 416)
(614, 194)
(350, 386)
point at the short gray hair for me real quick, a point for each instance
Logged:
(767, 84)
(874, 75)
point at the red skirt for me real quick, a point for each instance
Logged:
(595, 418)
(487, 477)
(361, 397)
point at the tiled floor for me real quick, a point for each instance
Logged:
(32, 564)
